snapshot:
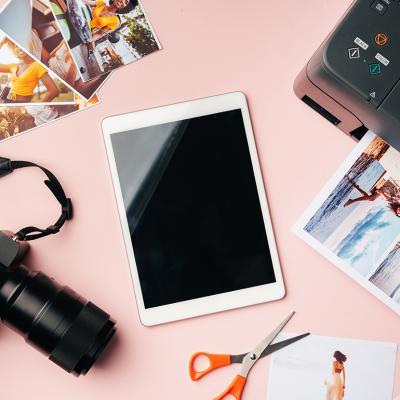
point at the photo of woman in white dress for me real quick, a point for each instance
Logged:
(336, 383)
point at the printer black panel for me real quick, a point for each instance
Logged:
(390, 107)
(364, 50)
(353, 79)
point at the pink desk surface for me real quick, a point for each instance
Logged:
(210, 47)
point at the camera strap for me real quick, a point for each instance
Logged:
(32, 232)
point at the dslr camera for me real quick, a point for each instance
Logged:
(53, 318)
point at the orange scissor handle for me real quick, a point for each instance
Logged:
(235, 389)
(216, 361)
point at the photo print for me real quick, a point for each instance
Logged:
(38, 33)
(387, 276)
(24, 81)
(318, 367)
(18, 120)
(355, 221)
(104, 35)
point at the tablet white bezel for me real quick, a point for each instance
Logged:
(210, 304)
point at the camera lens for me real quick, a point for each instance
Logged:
(67, 328)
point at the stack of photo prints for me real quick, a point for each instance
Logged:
(355, 221)
(56, 54)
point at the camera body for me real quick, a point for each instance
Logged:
(64, 326)
(12, 251)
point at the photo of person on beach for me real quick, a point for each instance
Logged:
(355, 220)
(332, 368)
(389, 190)
(359, 219)
(104, 34)
(336, 383)
(23, 80)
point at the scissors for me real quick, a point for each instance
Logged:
(248, 360)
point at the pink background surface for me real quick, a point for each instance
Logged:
(210, 47)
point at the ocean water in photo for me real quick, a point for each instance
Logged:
(365, 236)
(387, 276)
(365, 172)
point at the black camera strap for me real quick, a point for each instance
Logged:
(32, 232)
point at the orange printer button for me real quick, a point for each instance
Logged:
(381, 39)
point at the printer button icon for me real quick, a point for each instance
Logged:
(381, 39)
(354, 53)
(380, 7)
(375, 69)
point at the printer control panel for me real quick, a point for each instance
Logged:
(364, 51)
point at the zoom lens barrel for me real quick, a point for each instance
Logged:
(67, 328)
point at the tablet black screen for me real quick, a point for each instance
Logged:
(193, 209)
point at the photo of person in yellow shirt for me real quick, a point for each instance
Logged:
(106, 15)
(22, 77)
(104, 35)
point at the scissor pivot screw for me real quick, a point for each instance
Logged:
(253, 357)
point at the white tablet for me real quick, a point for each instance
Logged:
(193, 209)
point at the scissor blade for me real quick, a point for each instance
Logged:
(272, 348)
(268, 340)
(251, 358)
(281, 345)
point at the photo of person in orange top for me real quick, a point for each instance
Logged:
(106, 16)
(336, 383)
(104, 34)
(23, 80)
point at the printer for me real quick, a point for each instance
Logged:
(353, 80)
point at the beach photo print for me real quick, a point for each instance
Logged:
(38, 34)
(104, 35)
(355, 221)
(329, 368)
